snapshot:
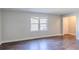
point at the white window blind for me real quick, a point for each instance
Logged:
(34, 24)
(39, 24)
(43, 24)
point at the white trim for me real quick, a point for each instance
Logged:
(0, 43)
(72, 34)
(77, 38)
(30, 38)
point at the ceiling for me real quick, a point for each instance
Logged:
(57, 11)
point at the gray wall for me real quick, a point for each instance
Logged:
(16, 26)
(77, 27)
(0, 27)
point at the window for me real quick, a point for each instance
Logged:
(34, 24)
(38, 24)
(43, 24)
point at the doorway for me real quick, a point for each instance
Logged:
(69, 26)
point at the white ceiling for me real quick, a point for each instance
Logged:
(57, 11)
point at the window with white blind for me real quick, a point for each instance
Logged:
(39, 24)
(43, 24)
(34, 23)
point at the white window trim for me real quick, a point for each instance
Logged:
(39, 24)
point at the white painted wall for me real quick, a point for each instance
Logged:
(77, 27)
(0, 27)
(16, 26)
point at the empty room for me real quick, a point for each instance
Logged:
(39, 28)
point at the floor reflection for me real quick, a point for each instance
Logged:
(43, 44)
(51, 43)
(69, 43)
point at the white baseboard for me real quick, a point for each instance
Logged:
(30, 38)
(77, 38)
(0, 43)
(71, 34)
